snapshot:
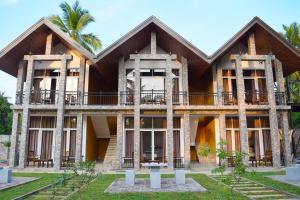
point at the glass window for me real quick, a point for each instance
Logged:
(129, 122)
(146, 122)
(176, 122)
(159, 122)
(228, 72)
(48, 122)
(232, 122)
(35, 122)
(258, 122)
(264, 121)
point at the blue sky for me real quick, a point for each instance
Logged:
(207, 24)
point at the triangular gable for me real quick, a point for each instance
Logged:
(140, 27)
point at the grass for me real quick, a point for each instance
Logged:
(215, 190)
(96, 188)
(45, 179)
(260, 177)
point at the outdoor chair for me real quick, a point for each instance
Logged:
(32, 158)
(267, 158)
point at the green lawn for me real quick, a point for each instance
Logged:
(96, 188)
(45, 179)
(215, 191)
(260, 177)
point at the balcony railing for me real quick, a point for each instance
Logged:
(179, 98)
(256, 97)
(100, 98)
(72, 98)
(44, 97)
(128, 162)
(126, 98)
(229, 98)
(280, 98)
(153, 97)
(203, 98)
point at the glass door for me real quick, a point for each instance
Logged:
(146, 146)
(159, 146)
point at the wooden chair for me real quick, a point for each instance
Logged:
(267, 158)
(32, 158)
(231, 160)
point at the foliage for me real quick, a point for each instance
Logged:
(73, 21)
(5, 115)
(7, 144)
(222, 154)
(239, 168)
(204, 150)
(292, 34)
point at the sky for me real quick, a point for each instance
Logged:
(206, 24)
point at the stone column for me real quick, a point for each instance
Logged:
(251, 44)
(219, 83)
(272, 113)
(185, 80)
(121, 82)
(120, 136)
(14, 139)
(169, 101)
(222, 126)
(78, 156)
(242, 109)
(215, 83)
(60, 114)
(187, 139)
(137, 113)
(286, 138)
(20, 81)
(279, 75)
(81, 81)
(26, 115)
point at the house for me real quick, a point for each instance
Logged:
(151, 96)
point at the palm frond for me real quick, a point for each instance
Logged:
(92, 40)
(84, 20)
(55, 19)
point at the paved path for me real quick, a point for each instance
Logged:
(254, 190)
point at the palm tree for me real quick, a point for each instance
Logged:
(292, 34)
(73, 21)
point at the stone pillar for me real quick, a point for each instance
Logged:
(185, 80)
(286, 138)
(279, 75)
(81, 81)
(169, 100)
(60, 114)
(120, 136)
(251, 44)
(49, 42)
(222, 126)
(153, 42)
(215, 84)
(78, 155)
(137, 113)
(219, 83)
(242, 109)
(26, 115)
(14, 139)
(121, 82)
(272, 113)
(20, 81)
(187, 139)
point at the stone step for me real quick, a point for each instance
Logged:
(258, 188)
(260, 192)
(268, 196)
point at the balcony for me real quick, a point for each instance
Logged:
(203, 98)
(255, 97)
(229, 98)
(126, 98)
(19, 98)
(100, 98)
(153, 97)
(179, 98)
(72, 98)
(281, 98)
(43, 97)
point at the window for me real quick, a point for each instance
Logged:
(229, 87)
(232, 134)
(72, 80)
(130, 79)
(153, 122)
(153, 79)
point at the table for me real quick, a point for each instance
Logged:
(155, 179)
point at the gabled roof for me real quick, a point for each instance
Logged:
(140, 27)
(31, 37)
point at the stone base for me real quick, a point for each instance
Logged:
(155, 179)
(293, 173)
(180, 176)
(143, 185)
(129, 177)
(5, 175)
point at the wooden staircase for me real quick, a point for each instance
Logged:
(111, 158)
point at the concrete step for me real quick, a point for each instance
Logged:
(268, 196)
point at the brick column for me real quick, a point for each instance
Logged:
(121, 82)
(81, 81)
(137, 114)
(187, 139)
(60, 114)
(170, 144)
(219, 77)
(185, 81)
(78, 155)
(286, 138)
(14, 139)
(26, 115)
(120, 136)
(272, 113)
(242, 109)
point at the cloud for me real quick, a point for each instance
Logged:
(8, 2)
